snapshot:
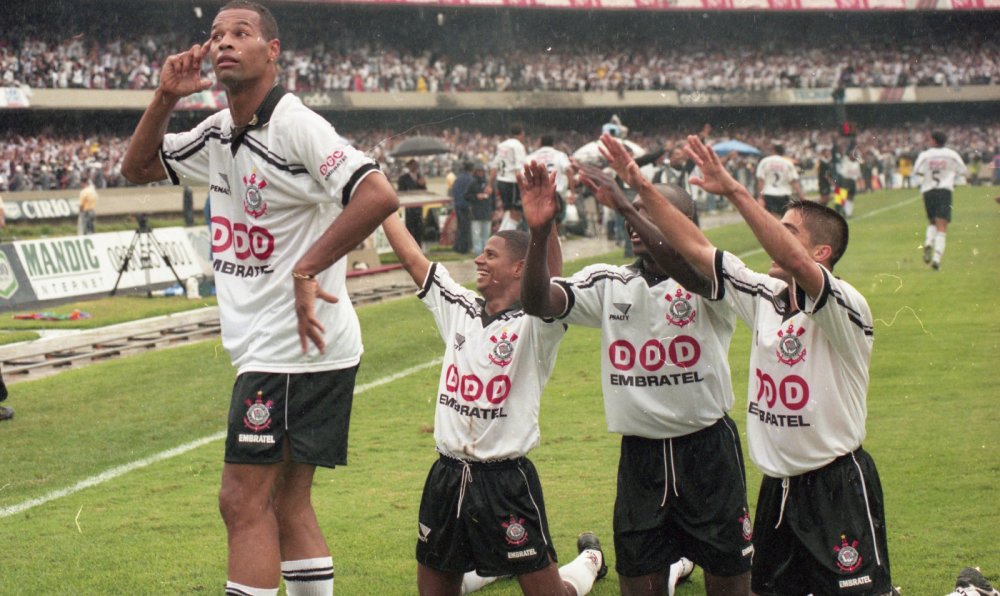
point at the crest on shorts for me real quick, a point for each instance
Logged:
(258, 416)
(459, 342)
(503, 349)
(747, 526)
(790, 348)
(848, 558)
(253, 200)
(679, 311)
(516, 534)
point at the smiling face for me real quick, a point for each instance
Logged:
(240, 51)
(497, 269)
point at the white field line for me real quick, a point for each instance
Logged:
(121, 470)
(180, 450)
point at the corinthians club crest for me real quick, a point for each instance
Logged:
(253, 200)
(747, 526)
(516, 534)
(680, 312)
(790, 348)
(503, 350)
(258, 415)
(848, 558)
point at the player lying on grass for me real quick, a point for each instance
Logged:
(482, 508)
(666, 384)
(820, 524)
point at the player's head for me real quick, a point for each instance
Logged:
(517, 131)
(547, 141)
(677, 196)
(778, 149)
(245, 44)
(939, 138)
(499, 268)
(821, 230)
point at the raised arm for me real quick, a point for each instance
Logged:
(774, 237)
(181, 76)
(406, 248)
(539, 296)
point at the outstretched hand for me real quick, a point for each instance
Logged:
(310, 329)
(538, 196)
(619, 159)
(181, 74)
(715, 178)
(604, 187)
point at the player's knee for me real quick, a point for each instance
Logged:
(240, 506)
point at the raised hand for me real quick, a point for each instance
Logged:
(619, 159)
(538, 196)
(715, 178)
(604, 187)
(181, 74)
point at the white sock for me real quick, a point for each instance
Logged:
(938, 246)
(235, 589)
(848, 208)
(931, 233)
(507, 223)
(472, 581)
(581, 572)
(678, 570)
(308, 577)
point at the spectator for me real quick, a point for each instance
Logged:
(88, 206)
(463, 230)
(412, 179)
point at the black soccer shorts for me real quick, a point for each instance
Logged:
(937, 203)
(311, 410)
(777, 204)
(683, 497)
(822, 532)
(487, 517)
(510, 195)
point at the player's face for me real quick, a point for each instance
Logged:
(677, 158)
(794, 224)
(637, 246)
(495, 269)
(239, 51)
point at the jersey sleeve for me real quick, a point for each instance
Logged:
(740, 286)
(330, 159)
(585, 295)
(793, 172)
(446, 299)
(844, 316)
(185, 155)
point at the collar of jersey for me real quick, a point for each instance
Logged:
(651, 279)
(487, 319)
(261, 117)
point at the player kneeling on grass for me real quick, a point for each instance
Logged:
(482, 508)
(820, 524)
(666, 384)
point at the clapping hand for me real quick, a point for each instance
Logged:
(181, 74)
(538, 196)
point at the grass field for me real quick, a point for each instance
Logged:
(106, 311)
(932, 429)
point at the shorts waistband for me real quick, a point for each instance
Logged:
(493, 464)
(718, 425)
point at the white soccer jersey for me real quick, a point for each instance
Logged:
(493, 372)
(554, 161)
(509, 160)
(288, 180)
(808, 367)
(664, 367)
(938, 168)
(849, 168)
(778, 173)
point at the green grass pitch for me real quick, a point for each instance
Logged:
(932, 429)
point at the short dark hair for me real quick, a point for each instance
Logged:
(268, 26)
(516, 129)
(680, 199)
(939, 137)
(825, 227)
(548, 140)
(516, 243)
(779, 149)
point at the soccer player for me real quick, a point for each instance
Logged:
(777, 177)
(290, 198)
(972, 583)
(504, 169)
(824, 175)
(666, 385)
(820, 524)
(938, 168)
(556, 161)
(482, 508)
(848, 173)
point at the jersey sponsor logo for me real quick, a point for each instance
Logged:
(470, 411)
(790, 350)
(855, 581)
(253, 199)
(623, 308)
(331, 164)
(258, 416)
(680, 312)
(221, 189)
(230, 268)
(423, 532)
(683, 351)
(520, 554)
(656, 380)
(503, 349)
(470, 387)
(516, 535)
(746, 525)
(792, 390)
(459, 342)
(246, 241)
(848, 558)
(267, 439)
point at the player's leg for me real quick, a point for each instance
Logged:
(972, 583)
(432, 582)
(573, 579)
(444, 552)
(306, 564)
(245, 502)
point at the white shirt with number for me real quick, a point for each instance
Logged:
(778, 173)
(493, 373)
(938, 168)
(808, 367)
(271, 201)
(509, 160)
(556, 161)
(664, 367)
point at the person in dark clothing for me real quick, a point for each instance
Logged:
(463, 231)
(413, 180)
(188, 207)
(482, 204)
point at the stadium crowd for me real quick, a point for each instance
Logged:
(85, 63)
